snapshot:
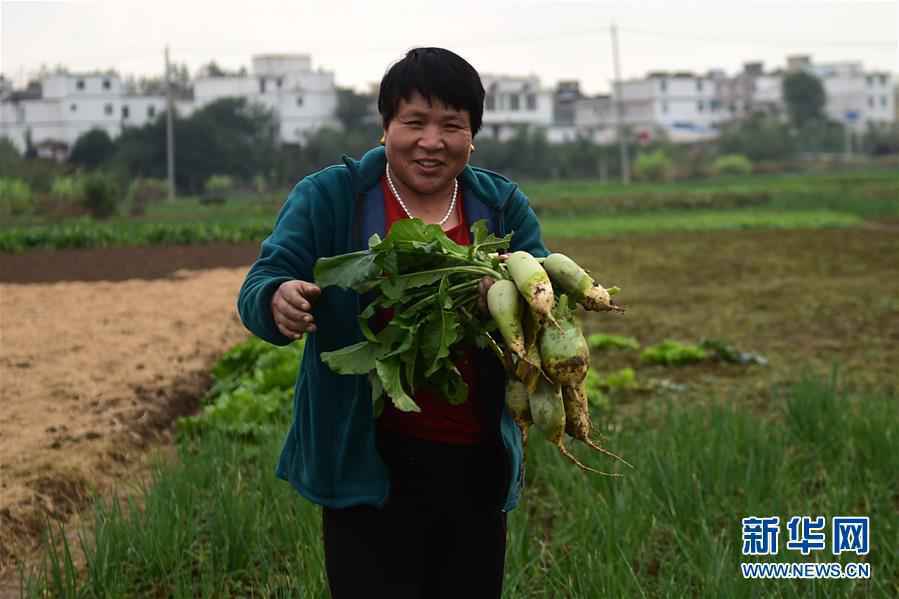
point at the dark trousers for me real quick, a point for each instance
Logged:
(440, 534)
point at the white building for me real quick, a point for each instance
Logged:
(855, 97)
(685, 106)
(512, 102)
(302, 100)
(594, 119)
(751, 91)
(68, 105)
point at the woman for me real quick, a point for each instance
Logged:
(413, 504)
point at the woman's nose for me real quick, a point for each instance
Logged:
(431, 138)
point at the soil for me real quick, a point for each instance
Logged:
(100, 351)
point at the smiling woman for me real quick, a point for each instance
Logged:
(413, 503)
(428, 136)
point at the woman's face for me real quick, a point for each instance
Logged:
(427, 145)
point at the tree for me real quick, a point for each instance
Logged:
(353, 110)
(760, 137)
(212, 69)
(229, 136)
(805, 98)
(10, 159)
(30, 150)
(881, 139)
(155, 85)
(92, 149)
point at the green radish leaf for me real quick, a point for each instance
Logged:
(443, 334)
(414, 234)
(410, 360)
(377, 393)
(350, 271)
(451, 386)
(395, 287)
(479, 232)
(406, 339)
(359, 358)
(484, 241)
(374, 241)
(390, 373)
(364, 318)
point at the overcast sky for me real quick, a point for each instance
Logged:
(359, 40)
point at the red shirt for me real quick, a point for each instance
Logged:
(438, 420)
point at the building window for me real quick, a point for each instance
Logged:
(700, 106)
(79, 84)
(532, 101)
(73, 107)
(279, 81)
(151, 111)
(870, 102)
(715, 105)
(513, 102)
(883, 80)
(107, 109)
(106, 84)
(869, 80)
(883, 101)
(299, 100)
(125, 112)
(490, 102)
(665, 107)
(663, 85)
(262, 85)
(699, 85)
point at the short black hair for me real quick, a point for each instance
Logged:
(434, 73)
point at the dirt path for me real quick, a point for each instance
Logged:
(93, 373)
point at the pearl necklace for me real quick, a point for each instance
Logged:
(396, 194)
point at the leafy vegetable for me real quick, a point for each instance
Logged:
(252, 391)
(431, 283)
(602, 341)
(673, 353)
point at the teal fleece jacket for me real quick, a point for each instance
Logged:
(329, 455)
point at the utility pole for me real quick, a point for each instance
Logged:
(169, 127)
(619, 116)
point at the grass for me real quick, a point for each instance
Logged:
(870, 193)
(790, 182)
(625, 224)
(218, 524)
(814, 297)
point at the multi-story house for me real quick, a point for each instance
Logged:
(514, 102)
(302, 99)
(855, 97)
(64, 106)
(686, 107)
(751, 91)
(594, 119)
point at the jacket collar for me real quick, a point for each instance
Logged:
(493, 190)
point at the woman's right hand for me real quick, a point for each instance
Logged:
(292, 307)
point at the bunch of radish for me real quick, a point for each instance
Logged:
(546, 355)
(433, 285)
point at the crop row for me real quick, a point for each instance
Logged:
(87, 234)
